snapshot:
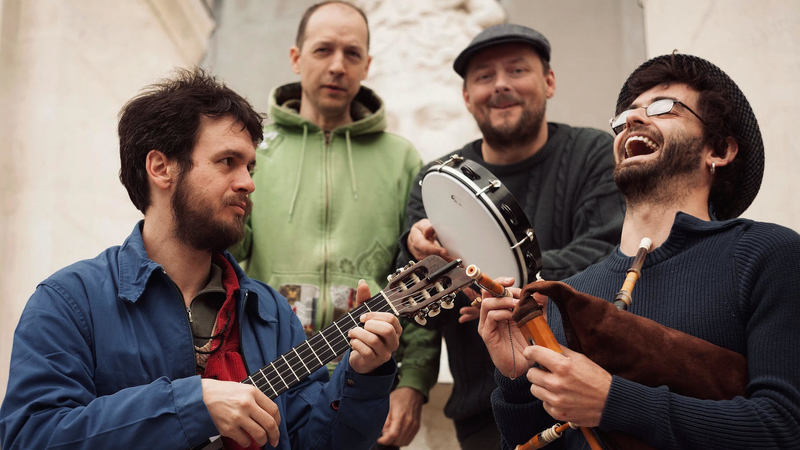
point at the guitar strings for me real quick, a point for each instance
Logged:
(337, 343)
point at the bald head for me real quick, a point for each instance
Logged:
(332, 7)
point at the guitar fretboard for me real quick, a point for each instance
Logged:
(299, 362)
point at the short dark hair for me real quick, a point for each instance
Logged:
(166, 115)
(301, 29)
(716, 105)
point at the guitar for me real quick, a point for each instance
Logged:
(417, 290)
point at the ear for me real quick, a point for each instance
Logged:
(720, 159)
(294, 58)
(160, 170)
(366, 69)
(550, 83)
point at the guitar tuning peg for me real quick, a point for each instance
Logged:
(407, 266)
(434, 310)
(420, 318)
(447, 301)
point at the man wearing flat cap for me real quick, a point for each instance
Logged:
(561, 176)
(689, 160)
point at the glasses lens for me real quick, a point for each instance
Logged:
(618, 123)
(659, 107)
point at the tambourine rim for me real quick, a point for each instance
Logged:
(495, 213)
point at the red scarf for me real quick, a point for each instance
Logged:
(226, 362)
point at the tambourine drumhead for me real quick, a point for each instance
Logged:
(470, 223)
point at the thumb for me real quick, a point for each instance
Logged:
(362, 292)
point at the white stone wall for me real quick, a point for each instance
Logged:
(66, 69)
(757, 43)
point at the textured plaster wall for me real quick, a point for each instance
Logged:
(66, 69)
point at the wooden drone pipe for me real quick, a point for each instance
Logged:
(487, 283)
(624, 297)
(531, 321)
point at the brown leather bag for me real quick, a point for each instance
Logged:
(644, 351)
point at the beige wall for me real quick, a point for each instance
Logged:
(757, 43)
(66, 68)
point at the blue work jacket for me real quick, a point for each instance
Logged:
(103, 358)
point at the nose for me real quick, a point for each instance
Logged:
(337, 63)
(501, 82)
(636, 116)
(244, 182)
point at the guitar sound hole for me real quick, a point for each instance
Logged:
(470, 173)
(509, 214)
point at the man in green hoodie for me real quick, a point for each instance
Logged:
(332, 190)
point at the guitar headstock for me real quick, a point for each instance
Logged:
(420, 289)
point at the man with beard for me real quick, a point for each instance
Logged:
(560, 175)
(146, 345)
(689, 160)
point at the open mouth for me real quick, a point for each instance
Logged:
(639, 145)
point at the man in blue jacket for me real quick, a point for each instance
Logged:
(145, 345)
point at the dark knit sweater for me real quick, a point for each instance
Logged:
(733, 283)
(567, 192)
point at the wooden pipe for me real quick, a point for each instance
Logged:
(624, 298)
(487, 283)
(531, 321)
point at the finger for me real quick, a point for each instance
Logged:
(268, 406)
(390, 433)
(255, 430)
(377, 334)
(362, 350)
(468, 313)
(362, 292)
(382, 317)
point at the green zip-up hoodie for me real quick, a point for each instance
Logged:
(328, 208)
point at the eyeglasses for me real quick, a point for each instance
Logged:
(657, 108)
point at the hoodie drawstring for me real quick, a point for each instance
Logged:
(353, 184)
(300, 171)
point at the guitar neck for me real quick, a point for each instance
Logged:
(323, 347)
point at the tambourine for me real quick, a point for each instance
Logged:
(478, 220)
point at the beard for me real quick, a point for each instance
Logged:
(507, 135)
(653, 180)
(195, 224)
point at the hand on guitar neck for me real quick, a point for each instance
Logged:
(245, 411)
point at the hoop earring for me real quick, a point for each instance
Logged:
(713, 168)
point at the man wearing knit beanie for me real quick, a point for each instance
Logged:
(689, 160)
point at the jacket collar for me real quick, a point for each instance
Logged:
(136, 268)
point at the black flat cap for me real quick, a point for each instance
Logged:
(502, 34)
(736, 185)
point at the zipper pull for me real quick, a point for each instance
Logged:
(189, 313)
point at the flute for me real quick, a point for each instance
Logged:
(623, 298)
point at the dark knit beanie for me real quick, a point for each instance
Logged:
(735, 186)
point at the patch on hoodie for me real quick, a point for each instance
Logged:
(303, 298)
(375, 259)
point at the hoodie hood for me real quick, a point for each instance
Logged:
(366, 110)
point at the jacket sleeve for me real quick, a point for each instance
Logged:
(518, 414)
(51, 398)
(346, 411)
(597, 212)
(419, 353)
